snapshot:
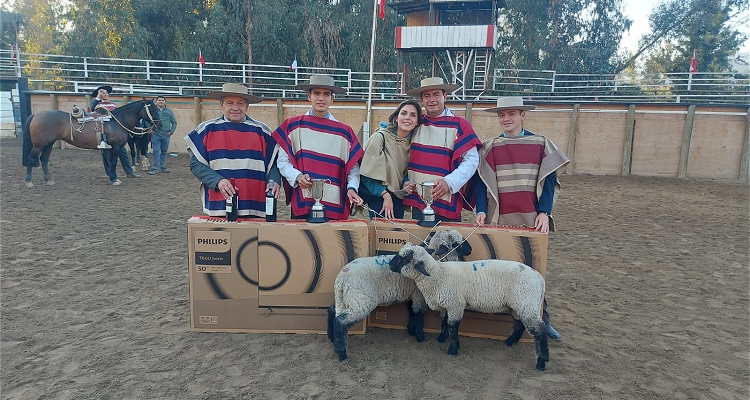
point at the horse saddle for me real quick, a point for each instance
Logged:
(95, 116)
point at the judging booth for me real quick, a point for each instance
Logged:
(487, 242)
(276, 277)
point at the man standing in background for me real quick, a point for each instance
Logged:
(160, 137)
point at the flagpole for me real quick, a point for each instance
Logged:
(366, 130)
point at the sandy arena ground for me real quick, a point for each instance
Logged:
(648, 283)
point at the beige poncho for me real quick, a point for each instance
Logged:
(385, 160)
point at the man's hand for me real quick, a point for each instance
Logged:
(354, 197)
(440, 189)
(275, 188)
(541, 223)
(480, 218)
(226, 188)
(304, 181)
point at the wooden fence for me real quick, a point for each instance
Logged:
(670, 140)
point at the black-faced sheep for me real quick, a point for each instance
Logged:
(489, 286)
(366, 283)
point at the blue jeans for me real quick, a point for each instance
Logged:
(159, 145)
(110, 162)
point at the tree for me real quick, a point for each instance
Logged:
(680, 27)
(576, 36)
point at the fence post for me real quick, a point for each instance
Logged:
(467, 114)
(197, 110)
(85, 67)
(572, 132)
(279, 111)
(745, 162)
(687, 134)
(148, 70)
(627, 152)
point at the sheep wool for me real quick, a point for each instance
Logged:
(489, 286)
(368, 282)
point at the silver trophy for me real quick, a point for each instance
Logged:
(428, 214)
(318, 210)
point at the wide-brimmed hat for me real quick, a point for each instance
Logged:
(321, 81)
(95, 93)
(431, 83)
(234, 89)
(510, 103)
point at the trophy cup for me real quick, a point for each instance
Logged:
(428, 214)
(318, 210)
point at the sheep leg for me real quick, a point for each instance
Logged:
(341, 325)
(538, 330)
(331, 317)
(455, 345)
(410, 326)
(419, 326)
(443, 328)
(515, 333)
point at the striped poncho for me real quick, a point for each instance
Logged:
(436, 151)
(514, 170)
(234, 150)
(324, 149)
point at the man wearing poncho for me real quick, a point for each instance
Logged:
(233, 146)
(517, 176)
(444, 150)
(316, 145)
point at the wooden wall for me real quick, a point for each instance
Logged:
(670, 140)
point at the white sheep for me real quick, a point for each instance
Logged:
(367, 282)
(488, 286)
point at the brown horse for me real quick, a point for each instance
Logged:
(41, 130)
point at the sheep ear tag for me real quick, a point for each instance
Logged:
(419, 266)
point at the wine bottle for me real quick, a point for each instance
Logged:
(232, 203)
(270, 204)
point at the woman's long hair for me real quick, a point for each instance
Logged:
(393, 124)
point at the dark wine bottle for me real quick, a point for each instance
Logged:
(232, 203)
(270, 204)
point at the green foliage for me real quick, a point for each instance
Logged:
(704, 26)
(576, 36)
(573, 36)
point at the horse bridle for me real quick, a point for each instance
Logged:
(148, 130)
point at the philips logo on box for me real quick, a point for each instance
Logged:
(213, 241)
(396, 241)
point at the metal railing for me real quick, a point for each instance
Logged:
(60, 73)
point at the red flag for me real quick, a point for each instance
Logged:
(382, 8)
(201, 60)
(693, 64)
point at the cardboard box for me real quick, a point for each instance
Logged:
(523, 245)
(257, 276)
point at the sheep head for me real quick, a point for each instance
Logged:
(410, 254)
(449, 241)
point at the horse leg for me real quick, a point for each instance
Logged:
(144, 152)
(45, 163)
(131, 145)
(32, 160)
